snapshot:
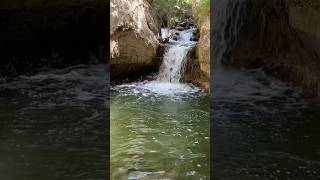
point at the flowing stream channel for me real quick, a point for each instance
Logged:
(160, 128)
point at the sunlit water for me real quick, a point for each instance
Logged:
(53, 125)
(160, 129)
(263, 129)
(158, 136)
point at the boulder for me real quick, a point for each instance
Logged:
(134, 29)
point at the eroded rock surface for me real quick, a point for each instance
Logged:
(134, 29)
(198, 68)
(283, 38)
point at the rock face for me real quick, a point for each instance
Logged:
(134, 29)
(203, 52)
(283, 38)
(53, 33)
(198, 68)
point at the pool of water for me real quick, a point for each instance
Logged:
(159, 130)
(53, 125)
(263, 128)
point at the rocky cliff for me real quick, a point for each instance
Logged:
(283, 38)
(198, 69)
(203, 51)
(134, 29)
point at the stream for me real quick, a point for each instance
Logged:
(160, 128)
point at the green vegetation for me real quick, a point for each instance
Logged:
(175, 10)
(202, 7)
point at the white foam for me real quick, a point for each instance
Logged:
(175, 59)
(155, 87)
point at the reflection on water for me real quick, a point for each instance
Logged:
(263, 129)
(159, 131)
(52, 125)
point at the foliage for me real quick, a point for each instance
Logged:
(175, 10)
(202, 7)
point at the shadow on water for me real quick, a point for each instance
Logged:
(53, 125)
(263, 128)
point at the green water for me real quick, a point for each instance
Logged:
(159, 136)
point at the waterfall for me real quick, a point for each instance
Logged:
(167, 81)
(227, 24)
(164, 33)
(175, 58)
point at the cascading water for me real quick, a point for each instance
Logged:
(228, 22)
(160, 127)
(174, 60)
(168, 79)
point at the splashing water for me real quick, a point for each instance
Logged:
(173, 66)
(160, 128)
(175, 58)
(164, 33)
(167, 81)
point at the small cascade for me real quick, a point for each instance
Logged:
(228, 22)
(174, 60)
(164, 33)
(167, 81)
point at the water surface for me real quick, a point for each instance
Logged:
(159, 131)
(263, 128)
(53, 125)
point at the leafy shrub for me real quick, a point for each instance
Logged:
(202, 7)
(175, 10)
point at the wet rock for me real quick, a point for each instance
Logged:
(282, 38)
(195, 36)
(198, 68)
(179, 28)
(176, 38)
(183, 24)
